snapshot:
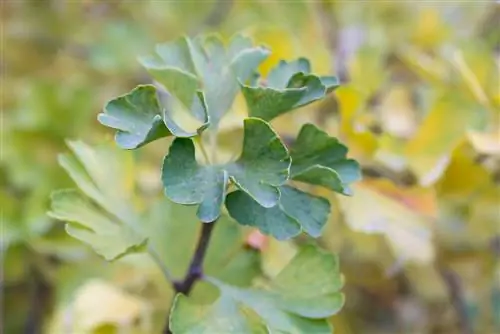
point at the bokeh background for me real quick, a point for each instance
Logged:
(419, 108)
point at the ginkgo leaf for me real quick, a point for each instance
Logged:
(140, 119)
(186, 65)
(298, 300)
(262, 167)
(103, 215)
(106, 222)
(188, 182)
(297, 211)
(89, 224)
(288, 86)
(321, 160)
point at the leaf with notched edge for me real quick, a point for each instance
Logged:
(187, 65)
(262, 167)
(319, 159)
(298, 300)
(139, 119)
(288, 86)
(297, 211)
(104, 220)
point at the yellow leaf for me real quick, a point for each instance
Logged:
(430, 30)
(397, 112)
(441, 132)
(99, 305)
(362, 144)
(485, 142)
(371, 211)
(463, 177)
(279, 40)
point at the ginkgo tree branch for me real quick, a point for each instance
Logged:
(195, 270)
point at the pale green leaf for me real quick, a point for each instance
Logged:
(259, 171)
(106, 221)
(297, 211)
(187, 65)
(89, 224)
(297, 301)
(288, 86)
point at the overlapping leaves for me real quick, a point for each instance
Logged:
(102, 214)
(262, 167)
(289, 85)
(205, 68)
(298, 300)
(187, 65)
(317, 159)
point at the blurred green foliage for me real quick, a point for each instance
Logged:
(419, 106)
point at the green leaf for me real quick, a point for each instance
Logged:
(187, 182)
(297, 211)
(259, 171)
(89, 224)
(103, 216)
(186, 65)
(106, 221)
(319, 159)
(173, 230)
(140, 119)
(288, 86)
(297, 301)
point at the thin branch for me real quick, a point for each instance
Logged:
(455, 290)
(195, 270)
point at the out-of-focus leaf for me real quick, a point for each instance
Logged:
(397, 113)
(108, 237)
(98, 303)
(362, 143)
(108, 222)
(297, 211)
(407, 231)
(262, 167)
(430, 29)
(288, 86)
(485, 142)
(429, 150)
(296, 301)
